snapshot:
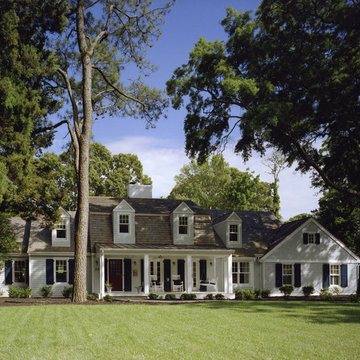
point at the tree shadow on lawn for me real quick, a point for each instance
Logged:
(319, 312)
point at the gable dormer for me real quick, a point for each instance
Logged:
(182, 220)
(124, 223)
(60, 234)
(230, 231)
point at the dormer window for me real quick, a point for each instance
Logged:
(124, 223)
(60, 234)
(233, 232)
(182, 219)
(60, 229)
(183, 225)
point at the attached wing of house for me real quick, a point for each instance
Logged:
(138, 245)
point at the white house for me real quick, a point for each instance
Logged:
(141, 245)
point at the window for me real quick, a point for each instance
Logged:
(183, 225)
(19, 271)
(334, 274)
(61, 271)
(233, 231)
(241, 272)
(311, 238)
(60, 230)
(287, 274)
(124, 223)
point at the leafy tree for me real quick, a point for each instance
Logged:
(7, 238)
(299, 217)
(215, 185)
(103, 37)
(340, 214)
(25, 101)
(109, 175)
(288, 78)
(276, 163)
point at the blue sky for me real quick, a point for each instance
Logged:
(161, 150)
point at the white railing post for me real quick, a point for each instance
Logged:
(102, 275)
(188, 274)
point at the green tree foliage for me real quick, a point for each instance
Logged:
(340, 214)
(299, 217)
(25, 101)
(7, 237)
(213, 184)
(109, 175)
(288, 78)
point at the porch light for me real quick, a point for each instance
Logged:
(134, 262)
(210, 263)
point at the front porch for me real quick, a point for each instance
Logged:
(162, 272)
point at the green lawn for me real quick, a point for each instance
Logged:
(228, 330)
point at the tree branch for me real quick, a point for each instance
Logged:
(117, 90)
(73, 102)
(48, 128)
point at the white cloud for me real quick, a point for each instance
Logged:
(162, 160)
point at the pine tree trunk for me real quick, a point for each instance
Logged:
(82, 223)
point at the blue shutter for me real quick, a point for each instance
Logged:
(278, 275)
(297, 268)
(305, 238)
(27, 271)
(49, 271)
(317, 238)
(344, 275)
(8, 272)
(71, 271)
(326, 275)
(127, 275)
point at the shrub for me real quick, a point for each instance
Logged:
(287, 290)
(170, 297)
(153, 296)
(188, 297)
(355, 298)
(67, 292)
(248, 294)
(326, 295)
(265, 293)
(238, 295)
(91, 297)
(257, 293)
(308, 290)
(46, 291)
(219, 297)
(209, 297)
(108, 298)
(19, 292)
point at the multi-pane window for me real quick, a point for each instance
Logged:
(60, 229)
(311, 238)
(334, 274)
(124, 223)
(19, 271)
(241, 272)
(287, 274)
(233, 231)
(61, 271)
(183, 225)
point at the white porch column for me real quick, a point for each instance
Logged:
(188, 274)
(226, 277)
(230, 285)
(146, 274)
(102, 275)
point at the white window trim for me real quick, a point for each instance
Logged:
(183, 225)
(61, 242)
(13, 271)
(232, 232)
(250, 284)
(67, 271)
(332, 274)
(124, 223)
(292, 274)
(238, 272)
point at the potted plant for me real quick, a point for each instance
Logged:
(108, 287)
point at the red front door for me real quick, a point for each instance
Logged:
(115, 275)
